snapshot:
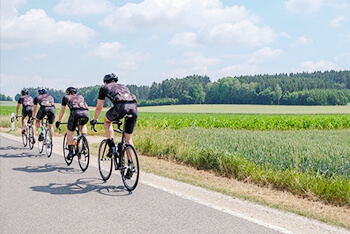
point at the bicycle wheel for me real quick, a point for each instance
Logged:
(83, 153)
(25, 138)
(130, 167)
(48, 142)
(66, 151)
(31, 137)
(40, 145)
(104, 162)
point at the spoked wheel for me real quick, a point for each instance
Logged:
(25, 139)
(83, 153)
(66, 150)
(48, 142)
(31, 139)
(104, 162)
(40, 144)
(130, 167)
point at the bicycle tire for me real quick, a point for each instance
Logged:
(66, 151)
(84, 153)
(25, 138)
(104, 162)
(130, 152)
(31, 137)
(48, 142)
(40, 145)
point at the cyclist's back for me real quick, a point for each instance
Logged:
(79, 116)
(47, 108)
(27, 106)
(79, 110)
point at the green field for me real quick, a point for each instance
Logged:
(248, 109)
(304, 150)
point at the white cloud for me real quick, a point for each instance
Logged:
(321, 65)
(107, 50)
(337, 21)
(267, 52)
(185, 39)
(36, 27)
(36, 57)
(301, 41)
(303, 6)
(202, 21)
(22, 81)
(241, 33)
(83, 7)
(8, 8)
(338, 4)
(251, 63)
(191, 63)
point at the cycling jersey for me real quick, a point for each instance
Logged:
(124, 103)
(25, 100)
(44, 100)
(117, 93)
(74, 102)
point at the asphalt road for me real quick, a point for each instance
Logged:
(44, 195)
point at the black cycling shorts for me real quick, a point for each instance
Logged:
(120, 110)
(48, 111)
(77, 117)
(27, 111)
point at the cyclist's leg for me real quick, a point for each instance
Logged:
(39, 116)
(112, 114)
(130, 109)
(108, 128)
(51, 117)
(84, 116)
(71, 125)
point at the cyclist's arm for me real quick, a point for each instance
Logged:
(34, 110)
(17, 108)
(63, 109)
(98, 109)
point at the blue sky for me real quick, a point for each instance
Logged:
(61, 43)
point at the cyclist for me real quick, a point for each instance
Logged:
(27, 107)
(79, 115)
(47, 108)
(124, 102)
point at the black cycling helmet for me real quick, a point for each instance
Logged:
(42, 91)
(71, 90)
(24, 92)
(110, 77)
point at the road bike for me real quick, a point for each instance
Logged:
(28, 135)
(125, 159)
(81, 149)
(47, 138)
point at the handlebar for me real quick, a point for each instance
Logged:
(59, 129)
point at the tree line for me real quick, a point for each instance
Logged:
(3, 97)
(317, 88)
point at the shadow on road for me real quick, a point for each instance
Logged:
(18, 152)
(83, 185)
(48, 168)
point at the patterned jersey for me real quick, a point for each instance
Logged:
(117, 93)
(26, 100)
(74, 102)
(44, 100)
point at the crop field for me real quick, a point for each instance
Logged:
(306, 153)
(247, 109)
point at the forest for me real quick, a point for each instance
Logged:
(317, 88)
